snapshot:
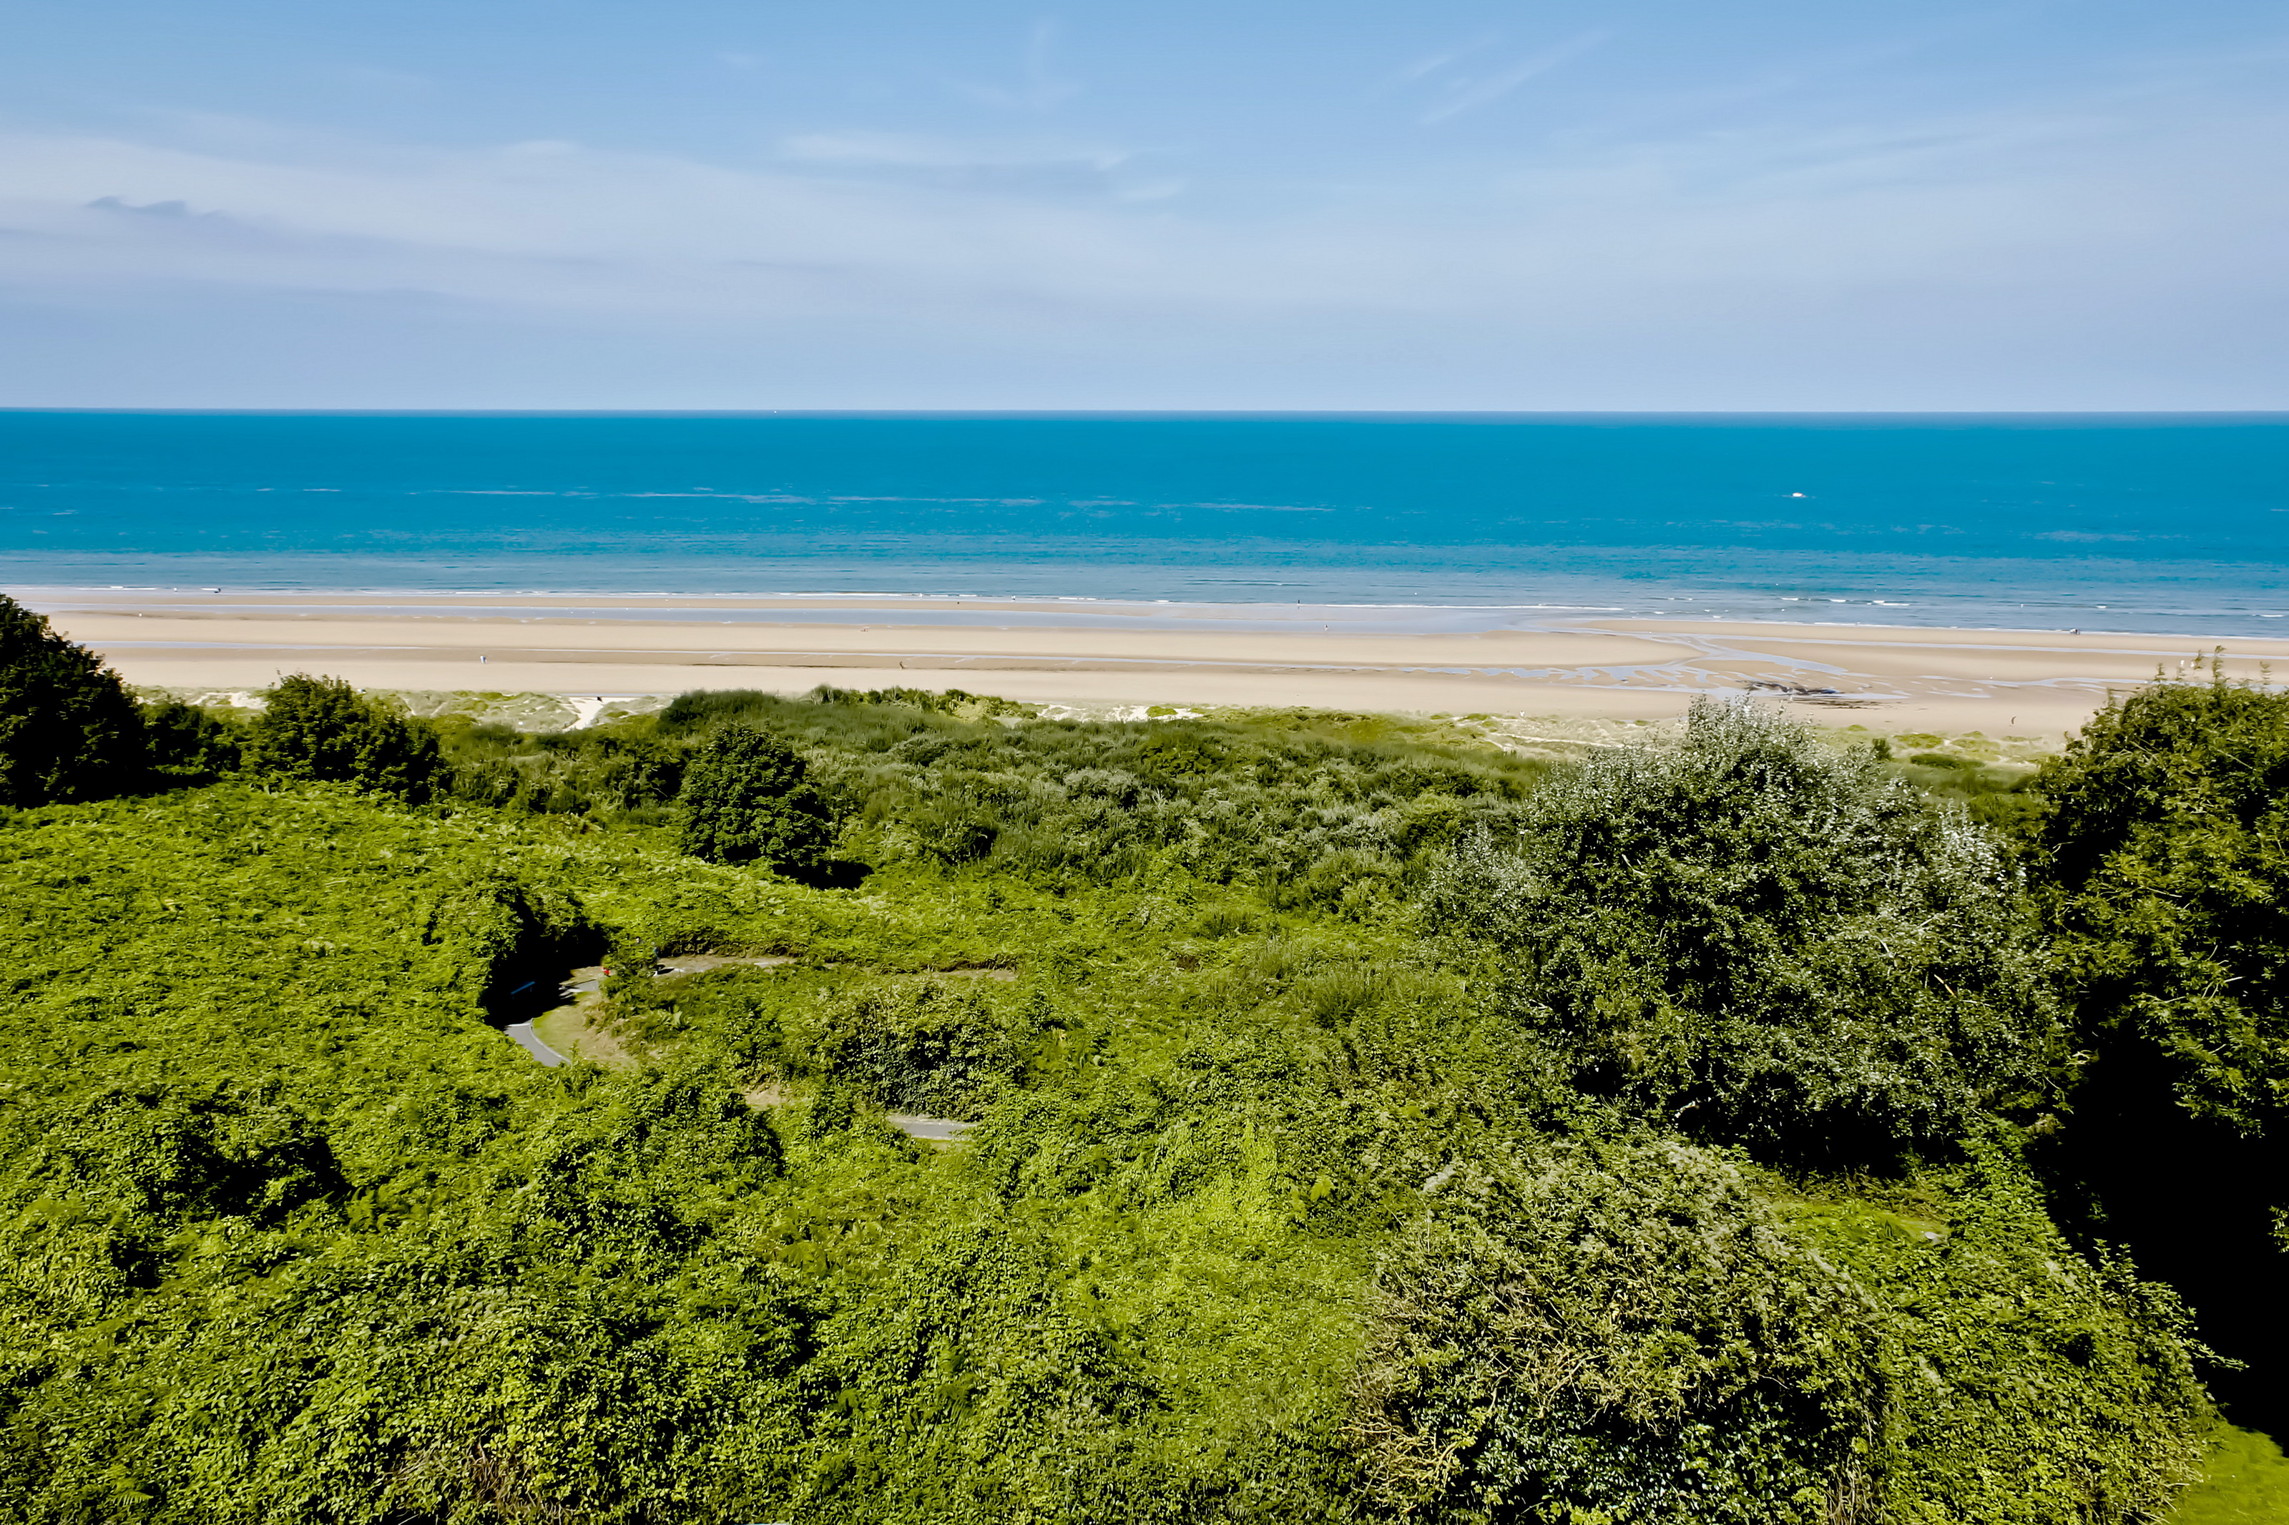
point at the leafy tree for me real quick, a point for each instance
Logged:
(2164, 845)
(68, 730)
(320, 729)
(746, 800)
(2162, 857)
(190, 745)
(1769, 942)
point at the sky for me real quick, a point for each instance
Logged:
(1638, 205)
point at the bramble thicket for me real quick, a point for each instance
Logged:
(1365, 1123)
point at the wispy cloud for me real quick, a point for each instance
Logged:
(1432, 63)
(924, 151)
(1031, 168)
(1989, 247)
(1460, 93)
(1039, 87)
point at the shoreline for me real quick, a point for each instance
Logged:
(2037, 685)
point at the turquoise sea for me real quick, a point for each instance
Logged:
(2165, 523)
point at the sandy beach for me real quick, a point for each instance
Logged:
(2031, 684)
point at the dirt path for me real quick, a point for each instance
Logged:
(581, 984)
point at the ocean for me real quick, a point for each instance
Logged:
(2168, 523)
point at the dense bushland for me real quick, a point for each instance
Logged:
(1363, 1129)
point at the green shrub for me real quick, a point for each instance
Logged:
(2024, 1383)
(2164, 849)
(1614, 1332)
(745, 800)
(607, 774)
(1769, 943)
(319, 729)
(2162, 858)
(190, 745)
(508, 943)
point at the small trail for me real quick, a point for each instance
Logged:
(931, 1130)
(522, 1034)
(583, 982)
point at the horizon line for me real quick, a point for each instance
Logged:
(1119, 414)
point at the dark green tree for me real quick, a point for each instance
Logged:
(320, 729)
(745, 800)
(2161, 855)
(68, 730)
(190, 745)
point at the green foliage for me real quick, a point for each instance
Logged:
(1318, 813)
(939, 1045)
(1997, 795)
(950, 701)
(189, 745)
(2164, 842)
(2022, 1383)
(1269, 1200)
(319, 729)
(2162, 858)
(509, 942)
(1772, 943)
(1615, 1333)
(745, 800)
(68, 730)
(612, 775)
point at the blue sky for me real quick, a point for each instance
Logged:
(1268, 204)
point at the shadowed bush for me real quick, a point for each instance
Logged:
(319, 729)
(68, 730)
(2161, 854)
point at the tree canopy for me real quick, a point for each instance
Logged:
(68, 729)
(1768, 941)
(2161, 850)
(320, 729)
(745, 800)
(2164, 843)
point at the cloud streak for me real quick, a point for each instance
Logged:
(1468, 94)
(1039, 87)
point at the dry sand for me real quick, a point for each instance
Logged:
(2034, 684)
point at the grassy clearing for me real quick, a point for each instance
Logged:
(2246, 1482)
(575, 1032)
